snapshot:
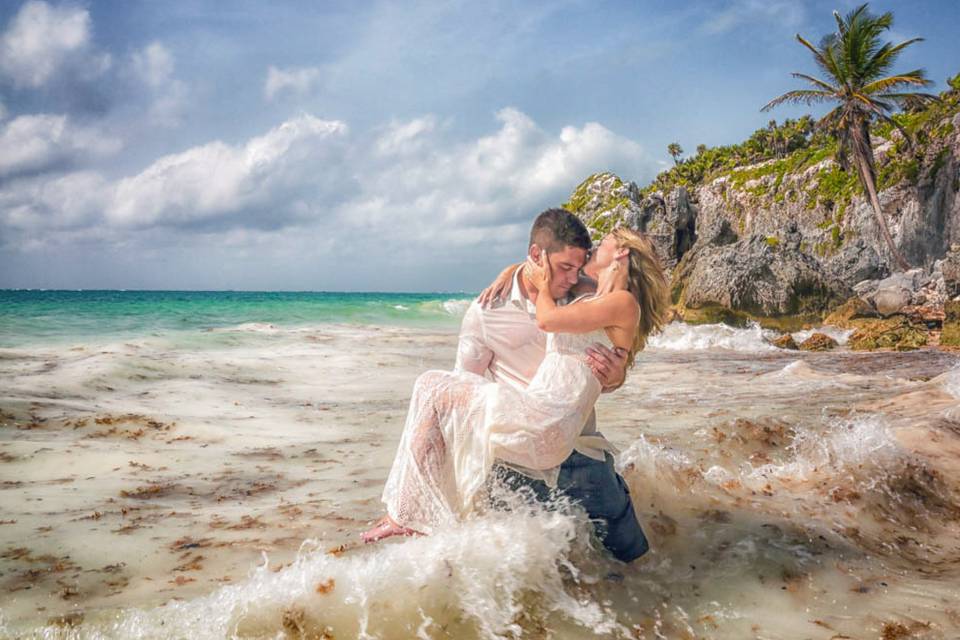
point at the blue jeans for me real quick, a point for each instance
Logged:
(602, 493)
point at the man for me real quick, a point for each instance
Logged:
(502, 342)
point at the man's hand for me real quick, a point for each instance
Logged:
(609, 365)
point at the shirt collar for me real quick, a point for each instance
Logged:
(516, 297)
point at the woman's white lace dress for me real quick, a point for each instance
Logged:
(459, 423)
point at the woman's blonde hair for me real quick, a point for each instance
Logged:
(647, 281)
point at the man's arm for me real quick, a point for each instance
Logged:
(473, 354)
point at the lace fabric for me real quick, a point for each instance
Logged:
(459, 422)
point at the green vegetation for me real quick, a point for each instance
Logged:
(895, 333)
(951, 322)
(603, 219)
(773, 142)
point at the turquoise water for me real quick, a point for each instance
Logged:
(42, 317)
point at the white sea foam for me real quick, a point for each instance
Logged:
(840, 335)
(474, 579)
(251, 327)
(643, 454)
(679, 336)
(951, 382)
(456, 306)
(846, 444)
(799, 371)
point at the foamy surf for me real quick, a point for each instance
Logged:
(822, 487)
(498, 576)
(679, 336)
(840, 335)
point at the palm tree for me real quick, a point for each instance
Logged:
(855, 61)
(675, 150)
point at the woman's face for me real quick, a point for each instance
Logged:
(605, 252)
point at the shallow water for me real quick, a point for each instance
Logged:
(189, 484)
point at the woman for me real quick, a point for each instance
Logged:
(459, 423)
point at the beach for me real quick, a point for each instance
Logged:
(204, 471)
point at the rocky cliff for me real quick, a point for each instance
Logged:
(787, 239)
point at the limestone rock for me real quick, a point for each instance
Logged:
(853, 309)
(785, 341)
(949, 269)
(818, 342)
(604, 201)
(896, 292)
(751, 275)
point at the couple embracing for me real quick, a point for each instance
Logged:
(535, 352)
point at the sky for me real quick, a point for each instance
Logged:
(365, 146)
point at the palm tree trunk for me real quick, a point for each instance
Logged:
(871, 189)
(861, 147)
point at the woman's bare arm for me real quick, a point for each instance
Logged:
(615, 309)
(499, 289)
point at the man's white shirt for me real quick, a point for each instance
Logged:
(503, 343)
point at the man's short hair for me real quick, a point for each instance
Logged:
(555, 229)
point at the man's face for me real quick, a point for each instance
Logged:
(565, 267)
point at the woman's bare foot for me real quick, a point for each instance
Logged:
(386, 528)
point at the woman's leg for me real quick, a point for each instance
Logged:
(421, 489)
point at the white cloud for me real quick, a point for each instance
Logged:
(299, 196)
(218, 179)
(42, 39)
(498, 178)
(405, 137)
(296, 80)
(40, 204)
(3, 111)
(782, 13)
(39, 142)
(154, 66)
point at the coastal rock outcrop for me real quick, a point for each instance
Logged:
(755, 276)
(818, 342)
(786, 341)
(603, 201)
(792, 237)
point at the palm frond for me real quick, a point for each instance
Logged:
(828, 121)
(817, 56)
(899, 80)
(896, 49)
(871, 104)
(816, 82)
(910, 100)
(840, 70)
(799, 96)
(885, 57)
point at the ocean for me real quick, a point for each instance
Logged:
(30, 316)
(200, 465)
